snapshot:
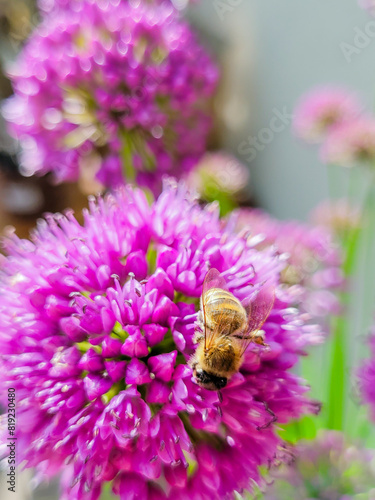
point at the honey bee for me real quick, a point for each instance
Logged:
(228, 328)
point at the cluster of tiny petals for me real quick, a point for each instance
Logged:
(312, 260)
(125, 84)
(97, 324)
(322, 109)
(349, 468)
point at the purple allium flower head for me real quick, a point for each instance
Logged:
(328, 467)
(128, 84)
(350, 143)
(323, 108)
(311, 259)
(97, 324)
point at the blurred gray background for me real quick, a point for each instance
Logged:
(275, 52)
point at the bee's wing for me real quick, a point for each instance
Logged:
(213, 279)
(257, 312)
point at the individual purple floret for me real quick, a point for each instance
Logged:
(123, 82)
(96, 330)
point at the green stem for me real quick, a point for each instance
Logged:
(337, 380)
(127, 158)
(338, 375)
(359, 422)
(338, 371)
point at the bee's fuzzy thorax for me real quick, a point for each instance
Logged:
(223, 358)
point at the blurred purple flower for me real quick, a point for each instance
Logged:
(366, 377)
(311, 259)
(323, 108)
(96, 327)
(217, 173)
(48, 6)
(128, 84)
(328, 468)
(350, 142)
(337, 216)
(368, 5)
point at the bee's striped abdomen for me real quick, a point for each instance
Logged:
(224, 311)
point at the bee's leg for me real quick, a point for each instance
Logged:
(200, 322)
(192, 362)
(258, 338)
(198, 337)
(273, 419)
(199, 329)
(220, 396)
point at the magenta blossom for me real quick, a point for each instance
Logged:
(123, 82)
(312, 261)
(323, 108)
(97, 324)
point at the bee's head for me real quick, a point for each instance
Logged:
(209, 380)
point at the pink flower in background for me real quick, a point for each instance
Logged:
(126, 84)
(311, 259)
(368, 5)
(322, 109)
(51, 6)
(96, 328)
(350, 143)
(328, 467)
(338, 216)
(217, 173)
(48, 6)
